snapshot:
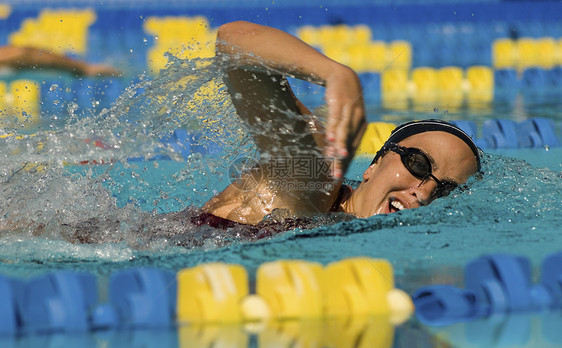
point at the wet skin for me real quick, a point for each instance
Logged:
(388, 181)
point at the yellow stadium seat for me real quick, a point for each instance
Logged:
(3, 93)
(395, 91)
(527, 53)
(451, 87)
(26, 101)
(5, 11)
(339, 35)
(325, 35)
(546, 52)
(558, 52)
(450, 79)
(361, 34)
(342, 34)
(309, 34)
(376, 56)
(394, 88)
(358, 57)
(424, 80)
(399, 54)
(184, 37)
(293, 289)
(374, 137)
(60, 31)
(481, 82)
(336, 53)
(156, 59)
(394, 80)
(504, 54)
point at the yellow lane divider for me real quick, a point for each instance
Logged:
(291, 290)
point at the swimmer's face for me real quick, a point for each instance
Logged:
(388, 186)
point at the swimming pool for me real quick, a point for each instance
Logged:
(514, 208)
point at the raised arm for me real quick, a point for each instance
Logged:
(249, 48)
(30, 57)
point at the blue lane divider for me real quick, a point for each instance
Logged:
(469, 128)
(536, 132)
(502, 282)
(551, 277)
(494, 284)
(144, 298)
(8, 310)
(58, 302)
(443, 305)
(500, 134)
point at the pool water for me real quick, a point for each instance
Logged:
(513, 207)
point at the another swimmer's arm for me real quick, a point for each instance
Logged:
(30, 57)
(255, 46)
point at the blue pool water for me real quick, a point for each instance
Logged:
(514, 207)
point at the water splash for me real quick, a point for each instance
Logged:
(45, 193)
(49, 205)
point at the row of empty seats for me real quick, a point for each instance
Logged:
(476, 85)
(524, 53)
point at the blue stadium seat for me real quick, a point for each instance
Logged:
(506, 84)
(534, 80)
(54, 98)
(371, 84)
(84, 94)
(554, 82)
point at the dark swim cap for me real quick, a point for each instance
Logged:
(415, 127)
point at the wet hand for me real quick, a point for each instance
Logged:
(346, 121)
(94, 70)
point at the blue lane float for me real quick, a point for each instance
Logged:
(443, 305)
(536, 132)
(494, 284)
(552, 277)
(500, 134)
(58, 302)
(9, 320)
(144, 298)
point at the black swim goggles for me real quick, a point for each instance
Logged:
(419, 165)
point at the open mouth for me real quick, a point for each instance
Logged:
(394, 206)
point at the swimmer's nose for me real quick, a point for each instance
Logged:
(423, 191)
